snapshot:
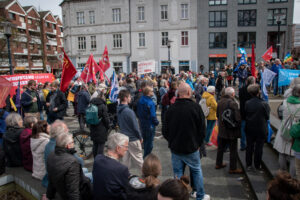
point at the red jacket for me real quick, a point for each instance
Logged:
(26, 150)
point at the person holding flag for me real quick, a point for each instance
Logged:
(275, 68)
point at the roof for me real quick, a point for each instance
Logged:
(44, 13)
(4, 3)
(26, 8)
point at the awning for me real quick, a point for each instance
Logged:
(218, 55)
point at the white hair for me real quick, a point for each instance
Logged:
(116, 139)
(13, 119)
(63, 140)
(229, 91)
(211, 89)
(58, 128)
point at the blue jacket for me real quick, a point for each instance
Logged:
(26, 101)
(146, 113)
(3, 114)
(275, 68)
(83, 100)
(128, 123)
(242, 73)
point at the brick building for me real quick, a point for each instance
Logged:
(36, 39)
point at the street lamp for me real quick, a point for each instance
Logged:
(7, 33)
(169, 56)
(278, 20)
(233, 53)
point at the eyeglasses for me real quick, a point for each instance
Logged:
(126, 147)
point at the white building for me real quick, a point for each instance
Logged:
(133, 30)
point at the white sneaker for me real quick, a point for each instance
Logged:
(206, 197)
(193, 195)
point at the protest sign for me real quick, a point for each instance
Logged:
(286, 76)
(145, 67)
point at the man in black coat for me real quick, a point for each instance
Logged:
(56, 104)
(184, 129)
(30, 101)
(65, 174)
(243, 97)
(83, 100)
(257, 114)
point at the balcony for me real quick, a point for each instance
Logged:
(24, 52)
(36, 53)
(37, 29)
(61, 34)
(52, 42)
(4, 63)
(21, 38)
(22, 63)
(37, 63)
(36, 40)
(22, 26)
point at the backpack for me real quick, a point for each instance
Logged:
(204, 107)
(91, 115)
(228, 118)
(286, 126)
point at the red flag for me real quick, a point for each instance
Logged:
(268, 54)
(104, 62)
(90, 70)
(69, 71)
(5, 87)
(253, 62)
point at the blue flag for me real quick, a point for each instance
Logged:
(114, 89)
(243, 52)
(243, 61)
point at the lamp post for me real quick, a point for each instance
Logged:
(278, 20)
(233, 53)
(169, 55)
(7, 33)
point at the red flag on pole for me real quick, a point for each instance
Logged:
(90, 70)
(5, 87)
(253, 70)
(104, 62)
(69, 71)
(268, 54)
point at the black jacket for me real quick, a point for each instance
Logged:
(83, 100)
(60, 102)
(257, 115)
(243, 97)
(99, 132)
(65, 175)
(138, 190)
(26, 101)
(184, 126)
(12, 147)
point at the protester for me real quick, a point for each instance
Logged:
(212, 117)
(147, 118)
(228, 135)
(109, 175)
(25, 142)
(199, 89)
(65, 174)
(3, 115)
(291, 108)
(99, 132)
(185, 136)
(30, 100)
(42, 99)
(229, 73)
(56, 104)
(145, 187)
(170, 98)
(275, 68)
(11, 140)
(83, 100)
(129, 126)
(221, 83)
(174, 189)
(257, 114)
(162, 91)
(39, 139)
(242, 75)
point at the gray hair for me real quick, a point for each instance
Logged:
(296, 90)
(162, 82)
(253, 89)
(229, 91)
(294, 82)
(116, 139)
(211, 89)
(29, 120)
(58, 128)
(64, 139)
(250, 80)
(12, 120)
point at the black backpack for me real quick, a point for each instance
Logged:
(228, 118)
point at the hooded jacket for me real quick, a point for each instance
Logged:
(128, 123)
(11, 146)
(146, 113)
(212, 105)
(26, 150)
(83, 99)
(38, 148)
(138, 190)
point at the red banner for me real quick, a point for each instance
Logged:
(5, 86)
(24, 78)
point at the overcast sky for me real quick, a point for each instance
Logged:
(53, 6)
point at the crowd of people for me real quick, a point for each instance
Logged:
(191, 104)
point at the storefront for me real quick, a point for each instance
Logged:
(217, 61)
(184, 65)
(118, 67)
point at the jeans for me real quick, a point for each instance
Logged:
(243, 138)
(193, 161)
(209, 128)
(41, 115)
(276, 89)
(81, 120)
(148, 136)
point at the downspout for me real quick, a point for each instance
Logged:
(130, 48)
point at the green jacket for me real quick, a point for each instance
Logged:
(295, 133)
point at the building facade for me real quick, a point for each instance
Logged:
(133, 30)
(296, 41)
(36, 40)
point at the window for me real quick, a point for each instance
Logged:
(48, 47)
(246, 39)
(164, 12)
(246, 1)
(54, 48)
(142, 39)
(184, 11)
(92, 17)
(93, 42)
(116, 15)
(29, 21)
(48, 25)
(164, 38)
(22, 19)
(117, 40)
(247, 18)
(61, 29)
(184, 38)
(118, 66)
(12, 16)
(53, 26)
(277, 1)
(184, 65)
(31, 47)
(217, 18)
(217, 2)
(141, 13)
(81, 43)
(80, 18)
(218, 40)
(272, 16)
